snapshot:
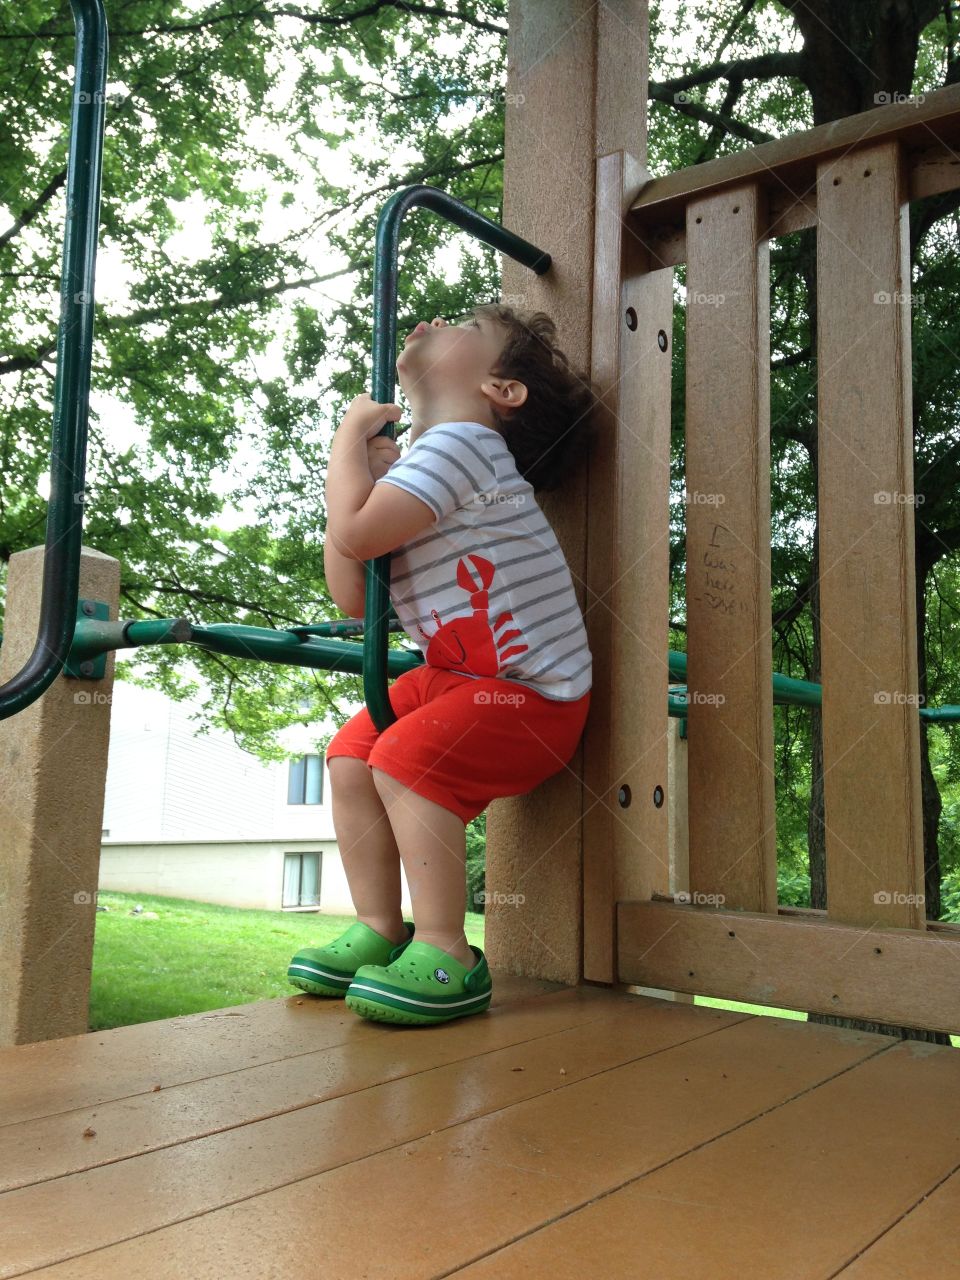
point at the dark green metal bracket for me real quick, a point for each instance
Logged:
(80, 666)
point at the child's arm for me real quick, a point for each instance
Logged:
(345, 574)
(346, 579)
(364, 522)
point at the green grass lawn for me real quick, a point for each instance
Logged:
(199, 956)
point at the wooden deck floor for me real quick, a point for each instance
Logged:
(567, 1132)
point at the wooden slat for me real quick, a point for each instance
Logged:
(930, 170)
(459, 1188)
(933, 169)
(625, 742)
(48, 1077)
(791, 1196)
(871, 748)
(729, 658)
(920, 1244)
(346, 1058)
(191, 1178)
(904, 977)
(790, 163)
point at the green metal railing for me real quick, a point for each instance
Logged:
(72, 636)
(71, 391)
(314, 646)
(787, 690)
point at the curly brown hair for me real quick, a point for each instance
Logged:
(550, 435)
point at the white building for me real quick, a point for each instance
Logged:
(192, 816)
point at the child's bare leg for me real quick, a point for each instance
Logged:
(433, 845)
(369, 851)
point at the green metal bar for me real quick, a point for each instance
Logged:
(71, 392)
(806, 693)
(800, 693)
(377, 582)
(316, 646)
(258, 644)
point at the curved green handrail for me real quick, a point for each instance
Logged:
(377, 582)
(71, 392)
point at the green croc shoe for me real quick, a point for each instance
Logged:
(329, 970)
(423, 985)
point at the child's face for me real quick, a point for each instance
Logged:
(440, 357)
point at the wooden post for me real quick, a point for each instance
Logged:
(625, 827)
(733, 848)
(53, 767)
(576, 91)
(868, 627)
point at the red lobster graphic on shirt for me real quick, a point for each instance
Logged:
(469, 643)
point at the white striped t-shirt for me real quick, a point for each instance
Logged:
(486, 590)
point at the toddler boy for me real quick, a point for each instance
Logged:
(481, 586)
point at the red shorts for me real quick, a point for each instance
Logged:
(463, 742)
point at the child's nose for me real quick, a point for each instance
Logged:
(438, 321)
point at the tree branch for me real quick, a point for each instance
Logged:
(222, 301)
(766, 66)
(31, 211)
(704, 114)
(731, 31)
(795, 358)
(266, 15)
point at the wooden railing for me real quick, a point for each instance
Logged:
(871, 954)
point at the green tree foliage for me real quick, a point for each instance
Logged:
(241, 106)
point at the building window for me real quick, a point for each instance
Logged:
(305, 780)
(301, 879)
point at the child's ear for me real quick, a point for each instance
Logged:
(507, 394)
